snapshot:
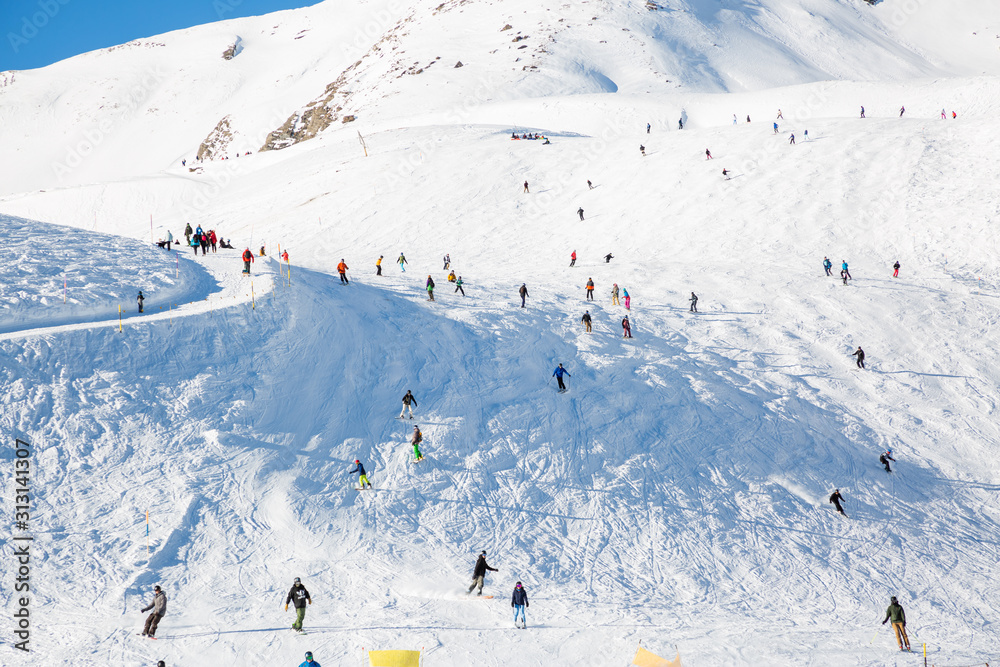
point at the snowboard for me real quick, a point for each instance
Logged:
(404, 418)
(419, 460)
(485, 597)
(372, 488)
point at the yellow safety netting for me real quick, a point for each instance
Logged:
(394, 658)
(644, 658)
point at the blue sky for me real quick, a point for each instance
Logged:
(36, 33)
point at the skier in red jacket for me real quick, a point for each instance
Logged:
(247, 258)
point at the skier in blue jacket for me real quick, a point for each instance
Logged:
(827, 264)
(519, 600)
(362, 477)
(558, 373)
(309, 662)
(845, 272)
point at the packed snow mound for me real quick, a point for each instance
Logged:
(301, 72)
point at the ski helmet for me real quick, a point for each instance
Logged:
(894, 600)
(309, 655)
(297, 581)
(357, 460)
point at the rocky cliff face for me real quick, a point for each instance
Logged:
(217, 141)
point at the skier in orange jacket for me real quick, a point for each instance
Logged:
(342, 270)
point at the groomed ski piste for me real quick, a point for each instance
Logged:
(675, 496)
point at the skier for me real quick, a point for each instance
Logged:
(608, 258)
(954, 115)
(408, 402)
(139, 299)
(590, 289)
(805, 135)
(247, 259)
(884, 459)
(775, 127)
(896, 614)
(590, 186)
(362, 477)
(860, 354)
(458, 285)
(524, 293)
(843, 267)
(579, 212)
(430, 288)
(342, 270)
(519, 600)
(402, 261)
(791, 139)
(187, 233)
(862, 112)
(572, 259)
(895, 270)
(298, 596)
(680, 123)
(626, 328)
(748, 118)
(170, 239)
(479, 573)
(836, 499)
(614, 295)
(526, 186)
(647, 128)
(559, 372)
(708, 154)
(780, 117)
(309, 662)
(734, 119)
(943, 116)
(843, 275)
(284, 258)
(262, 253)
(378, 266)
(628, 299)
(417, 438)
(447, 259)
(159, 607)
(694, 303)
(586, 320)
(642, 149)
(902, 110)
(827, 265)
(725, 172)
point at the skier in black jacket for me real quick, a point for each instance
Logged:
(885, 458)
(479, 573)
(519, 600)
(523, 292)
(860, 354)
(298, 596)
(836, 499)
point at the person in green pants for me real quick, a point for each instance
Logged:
(298, 596)
(418, 437)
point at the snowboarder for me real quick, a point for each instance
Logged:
(642, 149)
(524, 293)
(479, 573)
(139, 299)
(862, 112)
(694, 302)
(378, 266)
(896, 614)
(408, 402)
(725, 172)
(748, 118)
(342, 270)
(836, 499)
(519, 600)
(247, 259)
(458, 285)
(579, 212)
(626, 328)
(298, 596)
(628, 299)
(827, 265)
(884, 459)
(608, 258)
(843, 267)
(559, 372)
(902, 110)
(647, 128)
(895, 270)
(572, 259)
(708, 154)
(262, 253)
(526, 186)
(805, 135)
(447, 259)
(590, 289)
(417, 438)
(188, 232)
(860, 354)
(775, 127)
(159, 607)
(791, 139)
(614, 295)
(780, 117)
(430, 288)
(680, 123)
(309, 662)
(402, 262)
(586, 320)
(362, 477)
(590, 186)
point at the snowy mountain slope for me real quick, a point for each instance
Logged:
(144, 106)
